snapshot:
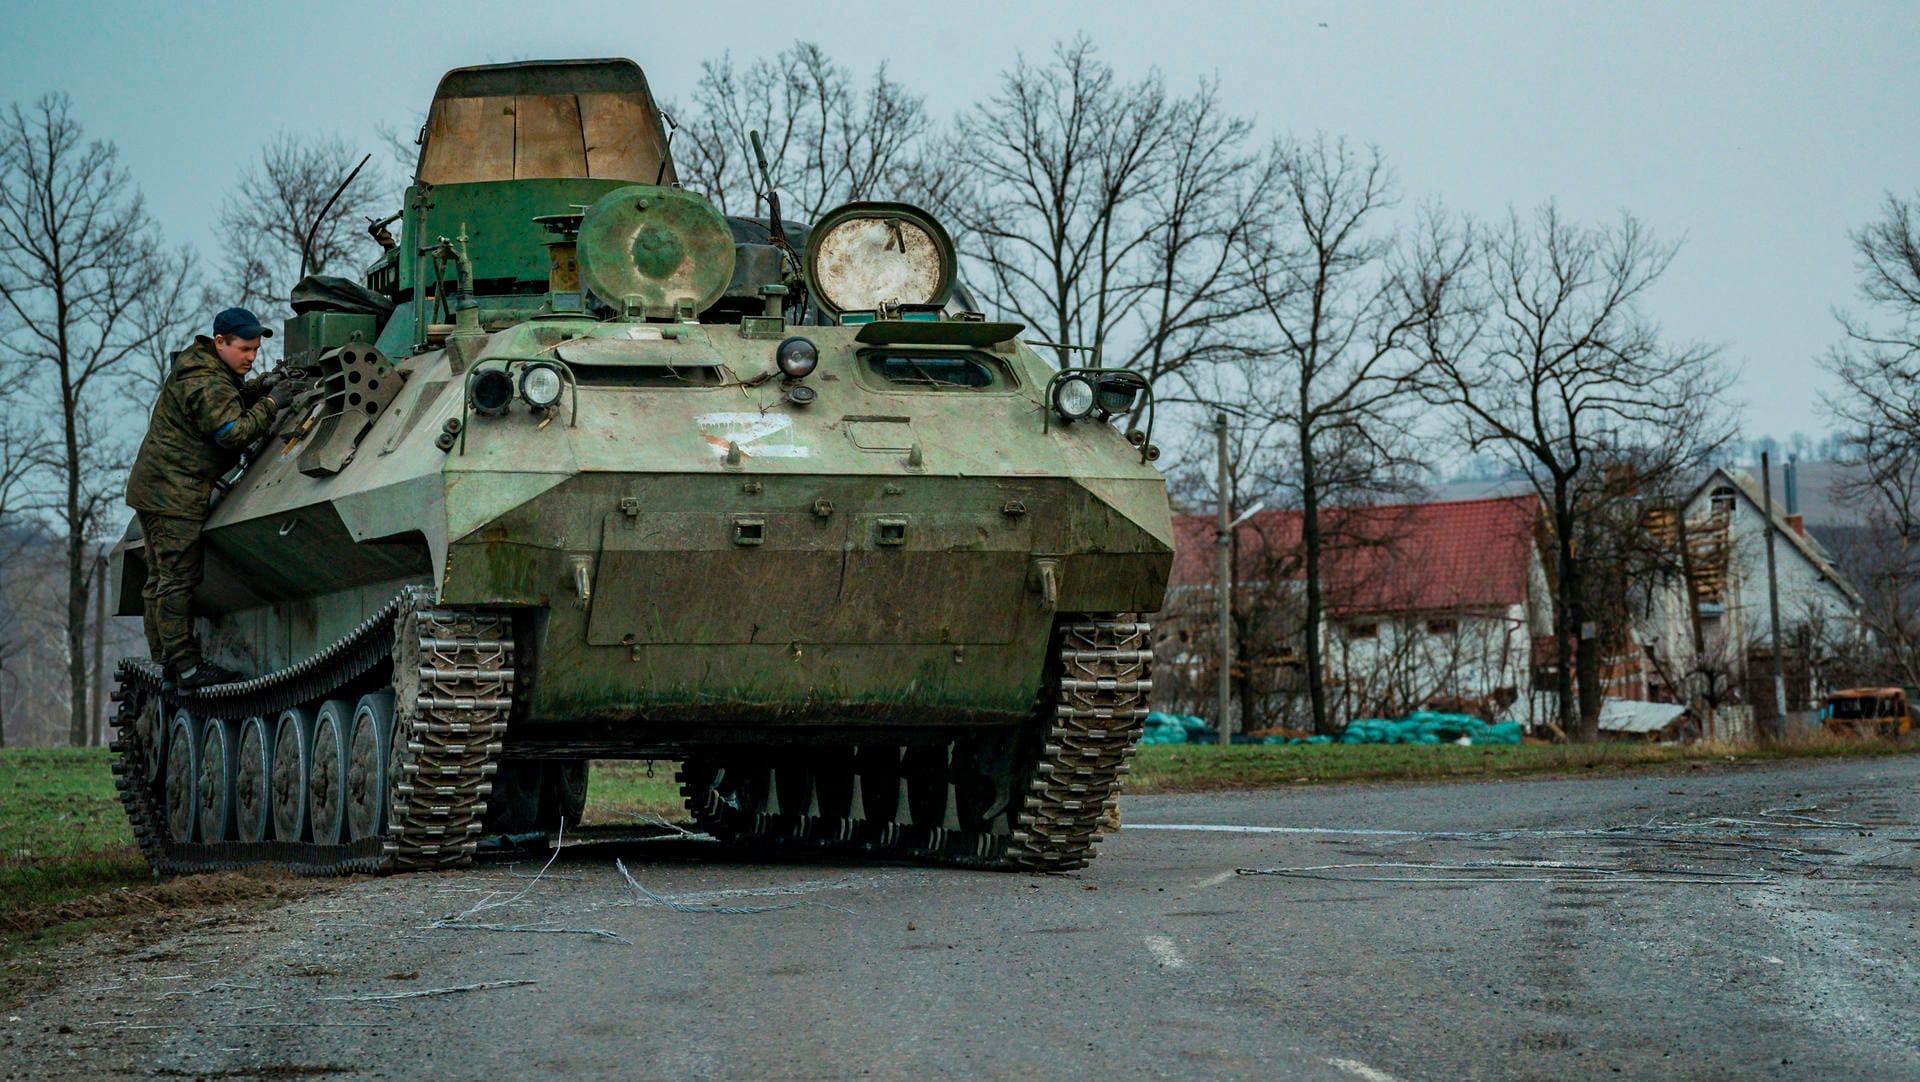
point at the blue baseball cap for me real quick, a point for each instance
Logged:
(239, 323)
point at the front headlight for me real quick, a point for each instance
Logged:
(491, 391)
(1073, 397)
(1117, 392)
(540, 385)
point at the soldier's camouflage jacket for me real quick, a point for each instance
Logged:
(205, 416)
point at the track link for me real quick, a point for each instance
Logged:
(1100, 710)
(453, 677)
(1067, 780)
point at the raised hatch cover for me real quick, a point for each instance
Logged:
(863, 255)
(649, 250)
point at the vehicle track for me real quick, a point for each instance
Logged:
(451, 674)
(1068, 784)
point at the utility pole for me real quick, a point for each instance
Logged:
(99, 726)
(1224, 581)
(1773, 599)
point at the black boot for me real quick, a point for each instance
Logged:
(206, 675)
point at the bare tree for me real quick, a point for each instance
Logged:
(402, 145)
(1877, 412)
(1057, 210)
(1548, 357)
(36, 682)
(828, 140)
(1196, 287)
(1338, 304)
(271, 223)
(1877, 363)
(23, 448)
(166, 316)
(77, 253)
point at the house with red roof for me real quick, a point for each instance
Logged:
(1427, 604)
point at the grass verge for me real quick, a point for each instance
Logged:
(63, 834)
(623, 792)
(1194, 769)
(68, 864)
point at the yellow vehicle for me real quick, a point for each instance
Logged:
(1869, 712)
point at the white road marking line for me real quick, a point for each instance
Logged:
(1216, 880)
(1360, 1070)
(1499, 832)
(1162, 949)
(1226, 828)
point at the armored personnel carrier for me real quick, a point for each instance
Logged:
(593, 471)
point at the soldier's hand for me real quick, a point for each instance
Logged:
(285, 391)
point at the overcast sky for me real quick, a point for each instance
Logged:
(1759, 134)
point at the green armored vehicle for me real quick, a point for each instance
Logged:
(593, 471)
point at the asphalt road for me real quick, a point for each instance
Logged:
(1716, 923)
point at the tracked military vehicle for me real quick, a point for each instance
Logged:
(594, 471)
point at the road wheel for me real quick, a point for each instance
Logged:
(399, 755)
(514, 806)
(983, 772)
(292, 773)
(152, 727)
(327, 784)
(368, 751)
(563, 793)
(215, 790)
(253, 782)
(747, 784)
(183, 775)
(793, 787)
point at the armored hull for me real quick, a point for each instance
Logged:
(857, 569)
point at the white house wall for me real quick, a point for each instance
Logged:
(1403, 665)
(1807, 594)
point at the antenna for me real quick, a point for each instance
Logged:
(306, 242)
(777, 233)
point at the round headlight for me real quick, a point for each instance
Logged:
(1073, 397)
(1117, 392)
(491, 391)
(796, 357)
(540, 385)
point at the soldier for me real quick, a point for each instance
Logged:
(205, 416)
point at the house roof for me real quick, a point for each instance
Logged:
(1821, 490)
(1630, 716)
(1425, 557)
(1749, 489)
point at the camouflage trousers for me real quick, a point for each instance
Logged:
(175, 557)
